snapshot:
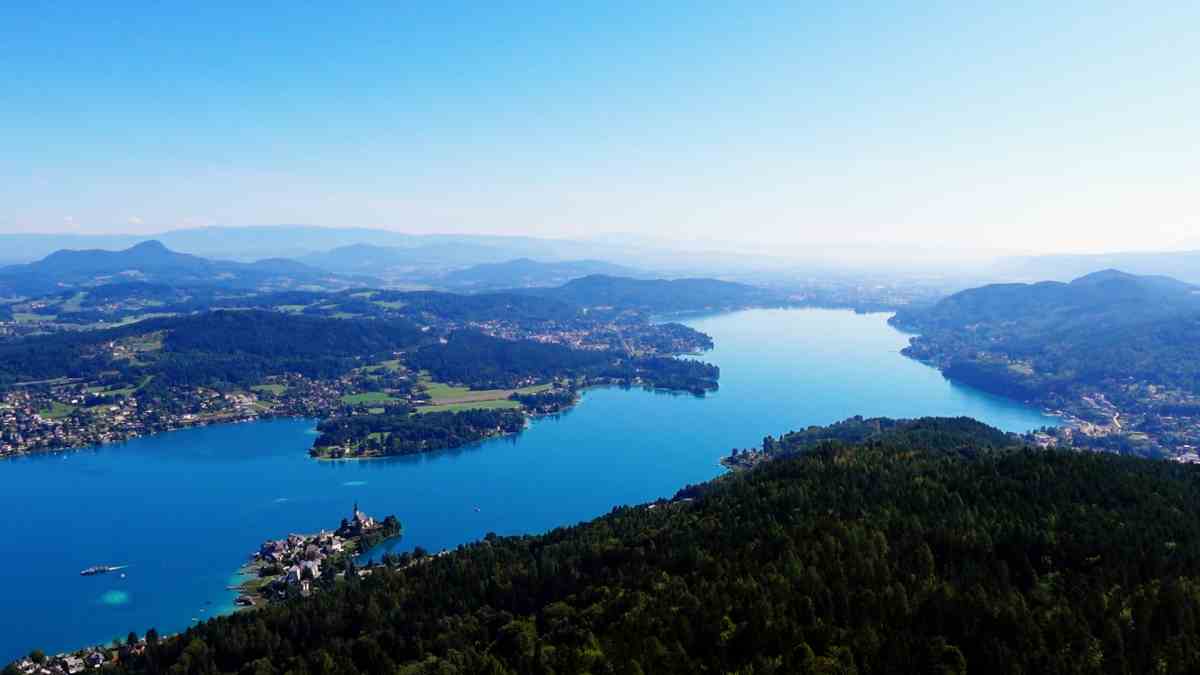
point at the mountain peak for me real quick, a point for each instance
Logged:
(1109, 274)
(148, 246)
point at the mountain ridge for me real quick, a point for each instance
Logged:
(152, 261)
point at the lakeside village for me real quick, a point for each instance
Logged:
(62, 415)
(68, 413)
(297, 565)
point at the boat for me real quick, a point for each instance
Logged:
(100, 569)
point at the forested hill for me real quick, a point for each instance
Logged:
(1102, 299)
(212, 348)
(485, 362)
(931, 433)
(1117, 352)
(877, 558)
(658, 295)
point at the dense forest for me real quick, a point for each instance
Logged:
(401, 432)
(484, 362)
(549, 401)
(924, 547)
(211, 349)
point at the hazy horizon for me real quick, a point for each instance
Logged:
(768, 249)
(955, 127)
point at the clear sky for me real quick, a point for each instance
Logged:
(1020, 125)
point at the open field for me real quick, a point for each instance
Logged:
(27, 317)
(276, 389)
(442, 394)
(392, 365)
(480, 405)
(73, 303)
(448, 398)
(123, 391)
(57, 410)
(368, 397)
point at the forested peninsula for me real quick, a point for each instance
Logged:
(1116, 355)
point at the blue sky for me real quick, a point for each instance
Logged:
(1040, 126)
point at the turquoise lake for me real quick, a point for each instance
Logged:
(183, 510)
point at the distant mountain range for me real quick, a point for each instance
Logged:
(348, 250)
(149, 277)
(1183, 265)
(379, 252)
(421, 262)
(526, 273)
(151, 261)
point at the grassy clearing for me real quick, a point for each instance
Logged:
(150, 342)
(26, 317)
(57, 380)
(73, 303)
(123, 391)
(275, 389)
(393, 366)
(130, 320)
(478, 405)
(368, 397)
(390, 304)
(57, 410)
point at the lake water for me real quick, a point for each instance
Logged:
(183, 510)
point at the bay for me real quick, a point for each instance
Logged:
(183, 510)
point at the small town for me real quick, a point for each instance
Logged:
(301, 563)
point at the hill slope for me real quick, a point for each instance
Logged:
(1121, 352)
(658, 295)
(883, 557)
(1106, 298)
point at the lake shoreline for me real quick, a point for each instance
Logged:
(221, 488)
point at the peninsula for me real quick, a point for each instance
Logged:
(300, 564)
(1114, 354)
